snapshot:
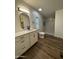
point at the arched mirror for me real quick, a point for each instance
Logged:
(24, 19)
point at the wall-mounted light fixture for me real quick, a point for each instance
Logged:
(23, 10)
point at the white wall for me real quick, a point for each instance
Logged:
(17, 20)
(59, 23)
(49, 26)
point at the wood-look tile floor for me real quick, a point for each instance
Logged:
(47, 48)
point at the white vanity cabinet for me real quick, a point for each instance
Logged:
(24, 42)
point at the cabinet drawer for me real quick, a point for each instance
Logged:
(20, 40)
(17, 48)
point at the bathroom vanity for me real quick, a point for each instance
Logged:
(27, 36)
(24, 40)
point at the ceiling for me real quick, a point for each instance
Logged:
(49, 6)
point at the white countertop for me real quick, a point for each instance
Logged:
(24, 32)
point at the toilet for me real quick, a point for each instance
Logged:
(41, 34)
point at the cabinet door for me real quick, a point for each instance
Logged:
(27, 41)
(33, 37)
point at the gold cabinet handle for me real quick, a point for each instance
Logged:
(22, 41)
(23, 47)
(22, 37)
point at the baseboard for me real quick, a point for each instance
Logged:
(53, 36)
(58, 36)
(49, 34)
